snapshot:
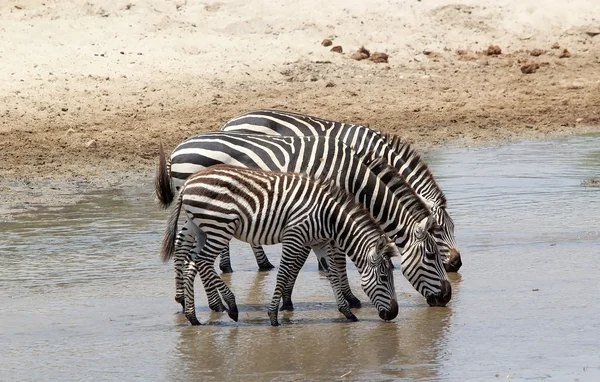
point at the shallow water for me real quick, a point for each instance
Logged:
(84, 296)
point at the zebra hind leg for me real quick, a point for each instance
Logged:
(183, 245)
(293, 258)
(213, 281)
(225, 262)
(261, 258)
(190, 308)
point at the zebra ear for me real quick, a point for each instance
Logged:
(424, 226)
(382, 243)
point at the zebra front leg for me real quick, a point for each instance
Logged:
(293, 258)
(261, 258)
(344, 284)
(334, 278)
(190, 308)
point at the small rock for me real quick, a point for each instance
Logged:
(337, 49)
(379, 57)
(19, 6)
(91, 144)
(593, 32)
(535, 290)
(326, 42)
(71, 131)
(579, 120)
(65, 109)
(360, 54)
(555, 46)
(427, 52)
(537, 52)
(493, 50)
(329, 85)
(565, 54)
(530, 68)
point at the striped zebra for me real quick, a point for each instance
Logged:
(263, 207)
(394, 205)
(399, 154)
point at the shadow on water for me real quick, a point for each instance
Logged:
(84, 294)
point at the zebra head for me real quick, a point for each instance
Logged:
(445, 238)
(377, 277)
(422, 264)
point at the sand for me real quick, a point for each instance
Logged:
(89, 89)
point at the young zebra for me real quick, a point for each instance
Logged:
(261, 207)
(399, 154)
(398, 209)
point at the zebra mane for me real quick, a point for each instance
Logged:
(346, 199)
(408, 153)
(396, 182)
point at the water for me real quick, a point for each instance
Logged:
(84, 296)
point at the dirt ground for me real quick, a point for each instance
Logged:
(88, 90)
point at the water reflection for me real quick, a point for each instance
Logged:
(317, 345)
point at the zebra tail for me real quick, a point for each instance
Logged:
(162, 181)
(168, 243)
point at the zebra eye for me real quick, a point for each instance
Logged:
(384, 278)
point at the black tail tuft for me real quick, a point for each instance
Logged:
(168, 243)
(162, 181)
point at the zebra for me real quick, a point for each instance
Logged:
(399, 154)
(263, 207)
(397, 208)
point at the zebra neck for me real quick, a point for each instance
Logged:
(352, 231)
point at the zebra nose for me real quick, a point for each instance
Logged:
(453, 262)
(389, 315)
(443, 297)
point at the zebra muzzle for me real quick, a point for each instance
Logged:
(390, 314)
(442, 298)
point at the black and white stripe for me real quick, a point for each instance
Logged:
(399, 154)
(400, 212)
(262, 207)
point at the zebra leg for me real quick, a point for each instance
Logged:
(261, 258)
(334, 278)
(293, 258)
(344, 284)
(190, 308)
(225, 263)
(183, 245)
(211, 250)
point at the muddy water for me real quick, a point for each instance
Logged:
(83, 295)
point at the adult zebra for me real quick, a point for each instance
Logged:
(394, 205)
(263, 207)
(399, 154)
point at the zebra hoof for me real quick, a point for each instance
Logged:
(217, 308)
(226, 268)
(233, 313)
(180, 300)
(354, 302)
(349, 315)
(265, 267)
(273, 318)
(287, 305)
(192, 319)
